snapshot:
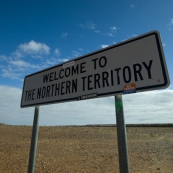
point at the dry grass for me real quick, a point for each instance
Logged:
(86, 149)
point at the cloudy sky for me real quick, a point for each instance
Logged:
(35, 35)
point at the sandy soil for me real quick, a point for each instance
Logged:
(86, 149)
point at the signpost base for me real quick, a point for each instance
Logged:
(121, 135)
(34, 139)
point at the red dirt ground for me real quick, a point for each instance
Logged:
(75, 149)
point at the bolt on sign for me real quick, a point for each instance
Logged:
(131, 66)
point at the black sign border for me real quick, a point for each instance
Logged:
(161, 55)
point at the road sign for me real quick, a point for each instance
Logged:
(131, 66)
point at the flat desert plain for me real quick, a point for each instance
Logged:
(90, 149)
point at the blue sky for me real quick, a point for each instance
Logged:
(38, 34)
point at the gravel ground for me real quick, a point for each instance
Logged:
(76, 149)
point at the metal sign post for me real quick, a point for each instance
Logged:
(121, 135)
(132, 66)
(34, 140)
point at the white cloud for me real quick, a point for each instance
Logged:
(33, 47)
(13, 67)
(20, 63)
(52, 61)
(153, 106)
(170, 87)
(110, 34)
(170, 23)
(76, 54)
(132, 6)
(104, 45)
(97, 31)
(17, 54)
(91, 25)
(125, 40)
(57, 52)
(113, 28)
(9, 72)
(81, 26)
(10, 111)
(164, 44)
(64, 34)
(134, 35)
(65, 59)
(146, 107)
(3, 58)
(17, 69)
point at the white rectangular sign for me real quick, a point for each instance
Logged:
(132, 66)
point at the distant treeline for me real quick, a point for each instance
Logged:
(103, 125)
(132, 125)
